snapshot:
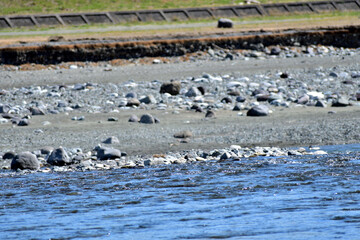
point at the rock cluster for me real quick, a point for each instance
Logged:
(104, 158)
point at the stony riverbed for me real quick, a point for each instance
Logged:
(41, 117)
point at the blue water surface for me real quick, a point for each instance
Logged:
(299, 197)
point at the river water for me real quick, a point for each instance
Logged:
(300, 197)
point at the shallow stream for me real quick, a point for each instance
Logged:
(300, 197)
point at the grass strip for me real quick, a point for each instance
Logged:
(17, 7)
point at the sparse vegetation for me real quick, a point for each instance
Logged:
(15, 7)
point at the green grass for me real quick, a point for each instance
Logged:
(15, 7)
(252, 21)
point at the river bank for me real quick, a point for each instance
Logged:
(310, 99)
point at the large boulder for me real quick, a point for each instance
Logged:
(25, 160)
(258, 111)
(172, 88)
(59, 157)
(225, 23)
(105, 153)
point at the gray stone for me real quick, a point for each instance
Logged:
(149, 99)
(111, 140)
(147, 119)
(357, 95)
(226, 100)
(156, 120)
(46, 150)
(79, 86)
(210, 114)
(240, 99)
(201, 89)
(9, 155)
(225, 23)
(104, 153)
(225, 156)
(341, 102)
(237, 107)
(275, 51)
(183, 134)
(37, 111)
(196, 107)
(112, 119)
(25, 160)
(7, 115)
(348, 82)
(333, 74)
(172, 88)
(59, 157)
(303, 99)
(131, 95)
(3, 120)
(133, 118)
(234, 92)
(355, 74)
(258, 111)
(273, 97)
(23, 122)
(320, 104)
(193, 92)
(211, 52)
(229, 56)
(293, 153)
(15, 120)
(133, 102)
(62, 104)
(4, 108)
(262, 97)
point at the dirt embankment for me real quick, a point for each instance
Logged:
(104, 50)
